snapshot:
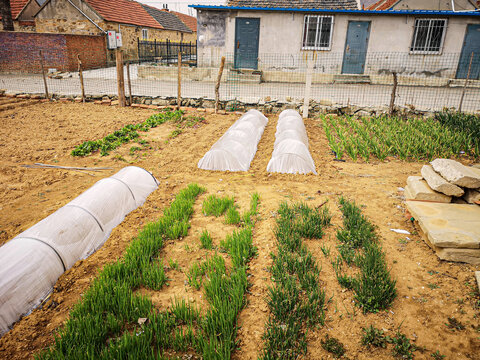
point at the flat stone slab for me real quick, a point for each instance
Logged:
(448, 225)
(438, 183)
(418, 189)
(469, 256)
(456, 173)
(471, 196)
(477, 276)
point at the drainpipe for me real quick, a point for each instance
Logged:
(453, 5)
(81, 12)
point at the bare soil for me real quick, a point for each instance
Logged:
(429, 290)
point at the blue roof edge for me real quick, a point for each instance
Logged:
(341, 11)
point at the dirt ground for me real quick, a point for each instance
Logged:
(429, 290)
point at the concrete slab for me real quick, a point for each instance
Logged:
(456, 173)
(438, 183)
(418, 189)
(448, 225)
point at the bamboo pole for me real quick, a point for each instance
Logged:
(129, 84)
(179, 95)
(394, 93)
(217, 85)
(80, 74)
(466, 82)
(120, 78)
(44, 75)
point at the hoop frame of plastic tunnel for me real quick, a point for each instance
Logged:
(32, 262)
(290, 152)
(235, 150)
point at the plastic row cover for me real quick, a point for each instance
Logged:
(235, 150)
(290, 151)
(31, 263)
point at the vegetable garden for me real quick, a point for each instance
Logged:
(414, 139)
(247, 265)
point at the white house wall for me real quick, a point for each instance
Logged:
(280, 43)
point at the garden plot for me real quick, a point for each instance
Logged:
(435, 310)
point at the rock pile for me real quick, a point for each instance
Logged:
(445, 181)
(444, 201)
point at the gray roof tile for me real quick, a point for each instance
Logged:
(165, 18)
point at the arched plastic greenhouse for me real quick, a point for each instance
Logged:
(32, 262)
(290, 152)
(235, 150)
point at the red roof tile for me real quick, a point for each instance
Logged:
(188, 20)
(124, 11)
(16, 6)
(382, 5)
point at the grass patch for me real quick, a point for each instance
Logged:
(372, 336)
(296, 301)
(126, 134)
(215, 206)
(449, 134)
(373, 286)
(206, 240)
(402, 347)
(104, 323)
(112, 322)
(333, 345)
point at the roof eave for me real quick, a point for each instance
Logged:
(339, 11)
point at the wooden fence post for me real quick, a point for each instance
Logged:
(44, 75)
(129, 84)
(120, 78)
(80, 75)
(466, 82)
(394, 93)
(179, 95)
(217, 85)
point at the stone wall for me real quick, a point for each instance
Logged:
(20, 51)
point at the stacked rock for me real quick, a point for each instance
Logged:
(440, 202)
(445, 181)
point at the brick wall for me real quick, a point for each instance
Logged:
(20, 51)
(92, 51)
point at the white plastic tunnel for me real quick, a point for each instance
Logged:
(235, 150)
(290, 151)
(31, 263)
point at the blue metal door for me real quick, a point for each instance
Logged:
(471, 44)
(247, 31)
(356, 47)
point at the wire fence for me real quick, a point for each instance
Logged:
(422, 82)
(166, 52)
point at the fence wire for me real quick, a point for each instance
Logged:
(422, 82)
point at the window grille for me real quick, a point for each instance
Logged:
(317, 32)
(428, 35)
(144, 34)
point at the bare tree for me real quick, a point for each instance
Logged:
(6, 12)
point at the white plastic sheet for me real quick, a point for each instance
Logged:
(235, 150)
(31, 263)
(290, 153)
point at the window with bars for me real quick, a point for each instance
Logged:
(428, 35)
(317, 32)
(144, 34)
